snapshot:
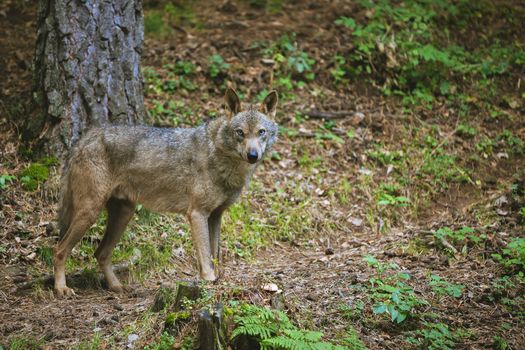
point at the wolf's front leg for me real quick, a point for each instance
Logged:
(214, 228)
(201, 240)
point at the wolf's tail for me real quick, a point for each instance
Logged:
(65, 208)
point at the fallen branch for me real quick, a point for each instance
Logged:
(314, 113)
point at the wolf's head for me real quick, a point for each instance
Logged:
(249, 133)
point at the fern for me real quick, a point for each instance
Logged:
(273, 330)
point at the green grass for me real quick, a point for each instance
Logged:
(23, 343)
(148, 243)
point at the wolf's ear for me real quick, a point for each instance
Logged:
(232, 101)
(269, 104)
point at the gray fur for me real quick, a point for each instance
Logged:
(199, 172)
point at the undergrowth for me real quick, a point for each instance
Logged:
(273, 330)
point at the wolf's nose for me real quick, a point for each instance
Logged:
(252, 156)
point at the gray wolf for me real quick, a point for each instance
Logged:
(198, 171)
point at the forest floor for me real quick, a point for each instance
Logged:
(396, 221)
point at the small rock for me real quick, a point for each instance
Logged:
(267, 62)
(357, 118)
(325, 203)
(501, 201)
(355, 221)
(365, 171)
(118, 307)
(502, 212)
(131, 339)
(312, 297)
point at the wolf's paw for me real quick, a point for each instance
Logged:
(210, 276)
(64, 292)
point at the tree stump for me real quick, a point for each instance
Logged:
(189, 290)
(211, 333)
(211, 330)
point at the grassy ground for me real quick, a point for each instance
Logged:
(395, 222)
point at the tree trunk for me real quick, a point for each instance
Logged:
(87, 69)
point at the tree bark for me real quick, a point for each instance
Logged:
(86, 69)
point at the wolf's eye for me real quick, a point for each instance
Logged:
(240, 132)
(262, 132)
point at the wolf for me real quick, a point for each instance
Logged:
(198, 172)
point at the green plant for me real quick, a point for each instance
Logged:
(499, 343)
(165, 342)
(291, 60)
(391, 293)
(4, 179)
(513, 142)
(383, 156)
(513, 255)
(401, 45)
(466, 130)
(435, 336)
(272, 329)
(216, 66)
(352, 340)
(465, 235)
(178, 76)
(182, 67)
(392, 200)
(353, 311)
(443, 287)
(338, 72)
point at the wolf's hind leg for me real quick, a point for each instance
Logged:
(81, 220)
(120, 212)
